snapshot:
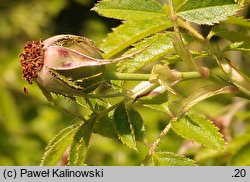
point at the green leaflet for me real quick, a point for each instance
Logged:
(129, 10)
(123, 127)
(207, 12)
(155, 47)
(171, 159)
(78, 148)
(132, 31)
(137, 123)
(105, 127)
(199, 129)
(58, 145)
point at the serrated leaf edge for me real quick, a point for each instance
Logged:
(212, 125)
(177, 155)
(54, 141)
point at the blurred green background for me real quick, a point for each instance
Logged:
(28, 122)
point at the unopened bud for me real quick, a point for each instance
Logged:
(65, 64)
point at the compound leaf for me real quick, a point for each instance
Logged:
(105, 127)
(58, 145)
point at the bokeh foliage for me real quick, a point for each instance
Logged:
(28, 122)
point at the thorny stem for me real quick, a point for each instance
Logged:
(186, 56)
(134, 77)
(121, 76)
(154, 146)
(162, 134)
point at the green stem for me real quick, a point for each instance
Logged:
(109, 75)
(102, 113)
(195, 75)
(178, 42)
(160, 137)
(145, 77)
(156, 142)
(190, 75)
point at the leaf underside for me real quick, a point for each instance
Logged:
(58, 145)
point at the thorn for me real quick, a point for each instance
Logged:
(25, 90)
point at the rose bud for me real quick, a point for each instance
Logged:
(68, 65)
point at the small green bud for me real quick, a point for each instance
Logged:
(164, 73)
(64, 64)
